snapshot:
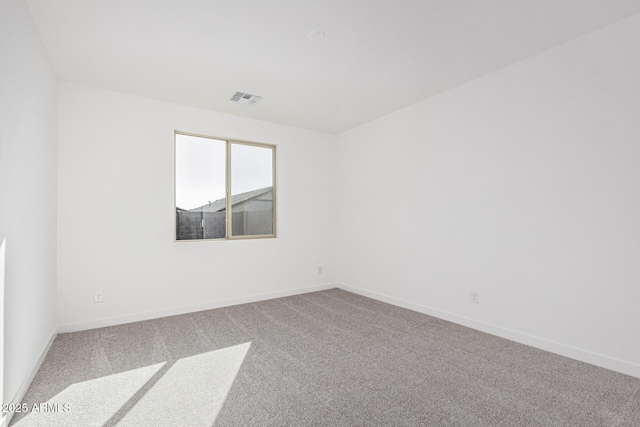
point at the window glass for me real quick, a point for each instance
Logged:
(200, 188)
(210, 170)
(251, 190)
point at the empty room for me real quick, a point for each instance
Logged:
(305, 212)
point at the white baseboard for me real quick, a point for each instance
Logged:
(137, 317)
(4, 422)
(601, 360)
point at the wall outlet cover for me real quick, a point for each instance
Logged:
(475, 297)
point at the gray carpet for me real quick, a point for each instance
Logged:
(327, 358)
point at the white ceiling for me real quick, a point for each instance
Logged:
(378, 55)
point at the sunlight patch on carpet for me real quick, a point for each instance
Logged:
(191, 392)
(90, 403)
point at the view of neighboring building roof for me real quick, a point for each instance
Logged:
(221, 204)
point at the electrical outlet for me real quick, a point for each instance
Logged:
(320, 270)
(97, 297)
(475, 297)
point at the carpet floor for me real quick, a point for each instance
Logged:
(329, 358)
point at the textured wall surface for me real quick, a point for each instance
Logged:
(117, 154)
(28, 190)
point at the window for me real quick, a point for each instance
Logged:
(224, 189)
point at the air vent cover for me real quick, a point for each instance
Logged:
(246, 98)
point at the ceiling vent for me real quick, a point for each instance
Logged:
(246, 98)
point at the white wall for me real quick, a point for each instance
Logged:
(116, 213)
(28, 139)
(523, 185)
